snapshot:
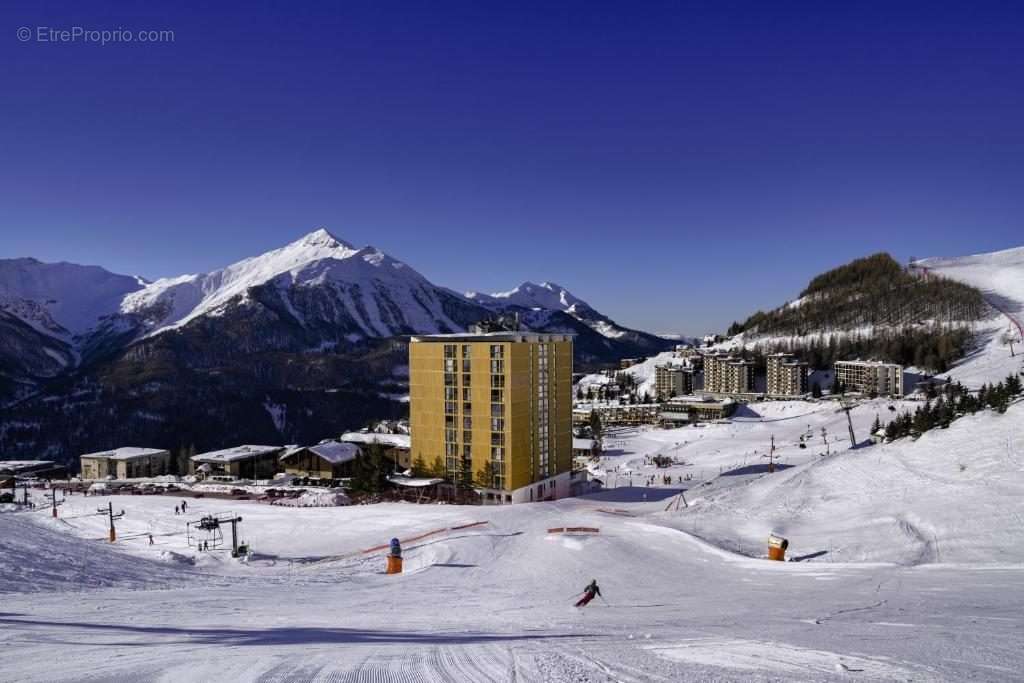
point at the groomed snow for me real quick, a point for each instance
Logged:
(1000, 277)
(912, 570)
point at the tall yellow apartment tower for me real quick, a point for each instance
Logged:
(496, 409)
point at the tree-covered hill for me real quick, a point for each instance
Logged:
(872, 307)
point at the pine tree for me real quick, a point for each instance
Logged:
(892, 430)
(596, 428)
(419, 467)
(437, 468)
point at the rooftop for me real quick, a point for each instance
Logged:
(393, 440)
(235, 453)
(867, 363)
(334, 452)
(493, 337)
(16, 466)
(126, 453)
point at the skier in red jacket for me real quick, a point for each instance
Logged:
(588, 593)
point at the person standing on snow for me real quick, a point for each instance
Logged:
(589, 592)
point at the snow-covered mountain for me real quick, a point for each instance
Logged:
(535, 303)
(319, 292)
(546, 295)
(316, 281)
(316, 312)
(48, 311)
(63, 300)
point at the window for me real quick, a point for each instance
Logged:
(497, 351)
(450, 393)
(467, 395)
(497, 381)
(497, 367)
(467, 408)
(497, 424)
(497, 439)
(449, 365)
(449, 379)
(467, 423)
(449, 350)
(466, 348)
(467, 365)
(467, 437)
(465, 380)
(497, 396)
(497, 409)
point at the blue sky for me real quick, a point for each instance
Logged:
(679, 165)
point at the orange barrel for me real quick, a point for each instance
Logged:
(777, 547)
(394, 565)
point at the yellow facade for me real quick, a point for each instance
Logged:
(495, 409)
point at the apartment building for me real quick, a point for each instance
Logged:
(714, 366)
(125, 463)
(496, 408)
(688, 410)
(728, 374)
(786, 375)
(616, 414)
(672, 380)
(871, 376)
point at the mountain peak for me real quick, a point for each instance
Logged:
(322, 237)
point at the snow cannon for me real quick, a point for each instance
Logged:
(395, 557)
(777, 546)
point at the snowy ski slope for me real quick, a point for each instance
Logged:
(1000, 277)
(912, 570)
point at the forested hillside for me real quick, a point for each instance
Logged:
(872, 307)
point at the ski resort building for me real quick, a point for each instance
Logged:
(787, 377)
(240, 462)
(327, 460)
(615, 414)
(672, 380)
(869, 376)
(728, 374)
(396, 446)
(686, 410)
(496, 409)
(126, 463)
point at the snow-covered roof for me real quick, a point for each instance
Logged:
(235, 453)
(393, 440)
(414, 482)
(15, 466)
(126, 453)
(334, 452)
(582, 444)
(868, 363)
(494, 336)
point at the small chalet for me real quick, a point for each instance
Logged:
(240, 462)
(326, 460)
(396, 447)
(584, 448)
